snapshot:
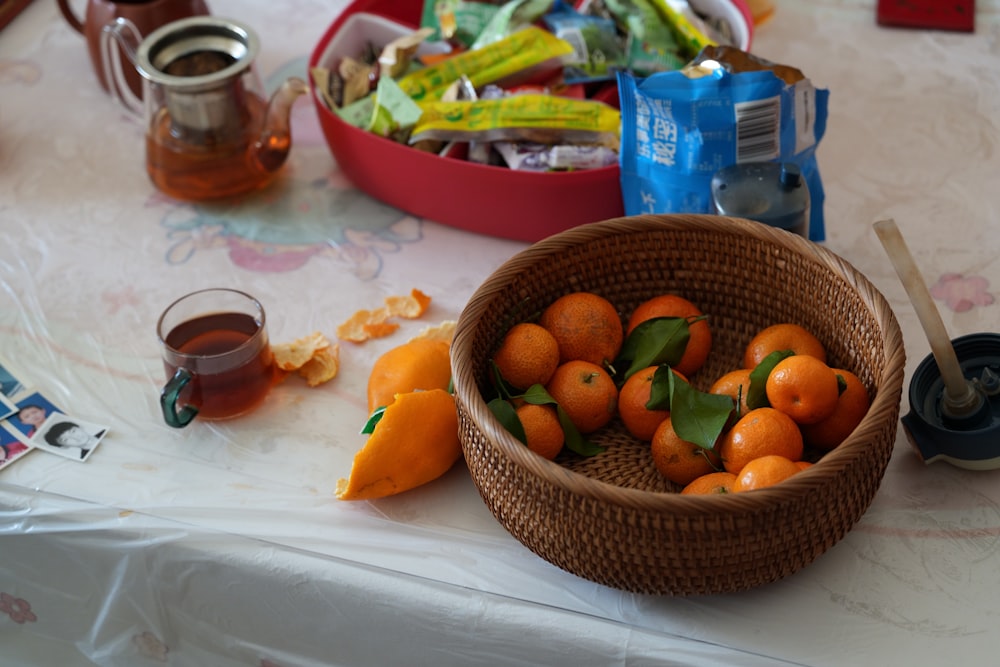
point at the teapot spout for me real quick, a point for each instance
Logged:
(275, 140)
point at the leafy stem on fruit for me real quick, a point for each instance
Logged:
(756, 394)
(373, 419)
(659, 340)
(503, 409)
(697, 416)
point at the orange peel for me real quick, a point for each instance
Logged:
(313, 357)
(416, 364)
(414, 443)
(367, 324)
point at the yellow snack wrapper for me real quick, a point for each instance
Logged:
(515, 54)
(692, 39)
(545, 119)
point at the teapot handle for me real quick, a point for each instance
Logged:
(124, 32)
(70, 17)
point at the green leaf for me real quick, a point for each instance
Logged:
(536, 394)
(660, 340)
(373, 419)
(506, 414)
(575, 441)
(697, 416)
(756, 394)
(659, 389)
(504, 390)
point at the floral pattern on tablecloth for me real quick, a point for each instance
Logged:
(18, 609)
(962, 293)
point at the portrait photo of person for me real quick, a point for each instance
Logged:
(67, 437)
(7, 407)
(9, 384)
(31, 413)
(11, 446)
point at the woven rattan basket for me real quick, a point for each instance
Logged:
(612, 518)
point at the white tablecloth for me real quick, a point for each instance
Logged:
(223, 544)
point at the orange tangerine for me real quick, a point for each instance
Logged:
(528, 355)
(783, 336)
(852, 406)
(763, 472)
(734, 384)
(586, 326)
(586, 392)
(804, 388)
(542, 430)
(758, 433)
(711, 484)
(678, 460)
(640, 421)
(699, 343)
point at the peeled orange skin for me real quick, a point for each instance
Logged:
(418, 364)
(415, 442)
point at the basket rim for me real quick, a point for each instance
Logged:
(886, 402)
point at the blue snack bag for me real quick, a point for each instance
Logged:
(679, 128)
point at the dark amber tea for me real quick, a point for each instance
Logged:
(231, 369)
(217, 356)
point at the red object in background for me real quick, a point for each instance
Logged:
(11, 8)
(959, 15)
(518, 205)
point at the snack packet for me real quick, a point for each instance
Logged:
(526, 156)
(519, 54)
(546, 119)
(653, 46)
(511, 17)
(458, 21)
(679, 128)
(598, 50)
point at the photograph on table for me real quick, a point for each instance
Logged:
(13, 445)
(7, 407)
(31, 412)
(10, 385)
(68, 437)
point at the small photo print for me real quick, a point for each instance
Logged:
(31, 413)
(12, 445)
(68, 437)
(9, 384)
(7, 407)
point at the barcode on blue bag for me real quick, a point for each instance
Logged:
(758, 124)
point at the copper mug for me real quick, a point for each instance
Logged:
(145, 15)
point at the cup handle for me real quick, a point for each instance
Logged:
(70, 17)
(124, 32)
(168, 401)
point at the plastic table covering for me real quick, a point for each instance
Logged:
(223, 544)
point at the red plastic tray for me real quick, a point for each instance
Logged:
(489, 200)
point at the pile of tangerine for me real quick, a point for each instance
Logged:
(561, 377)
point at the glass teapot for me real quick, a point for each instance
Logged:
(210, 130)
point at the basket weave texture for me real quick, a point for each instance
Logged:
(612, 518)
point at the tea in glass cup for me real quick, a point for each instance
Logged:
(216, 355)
